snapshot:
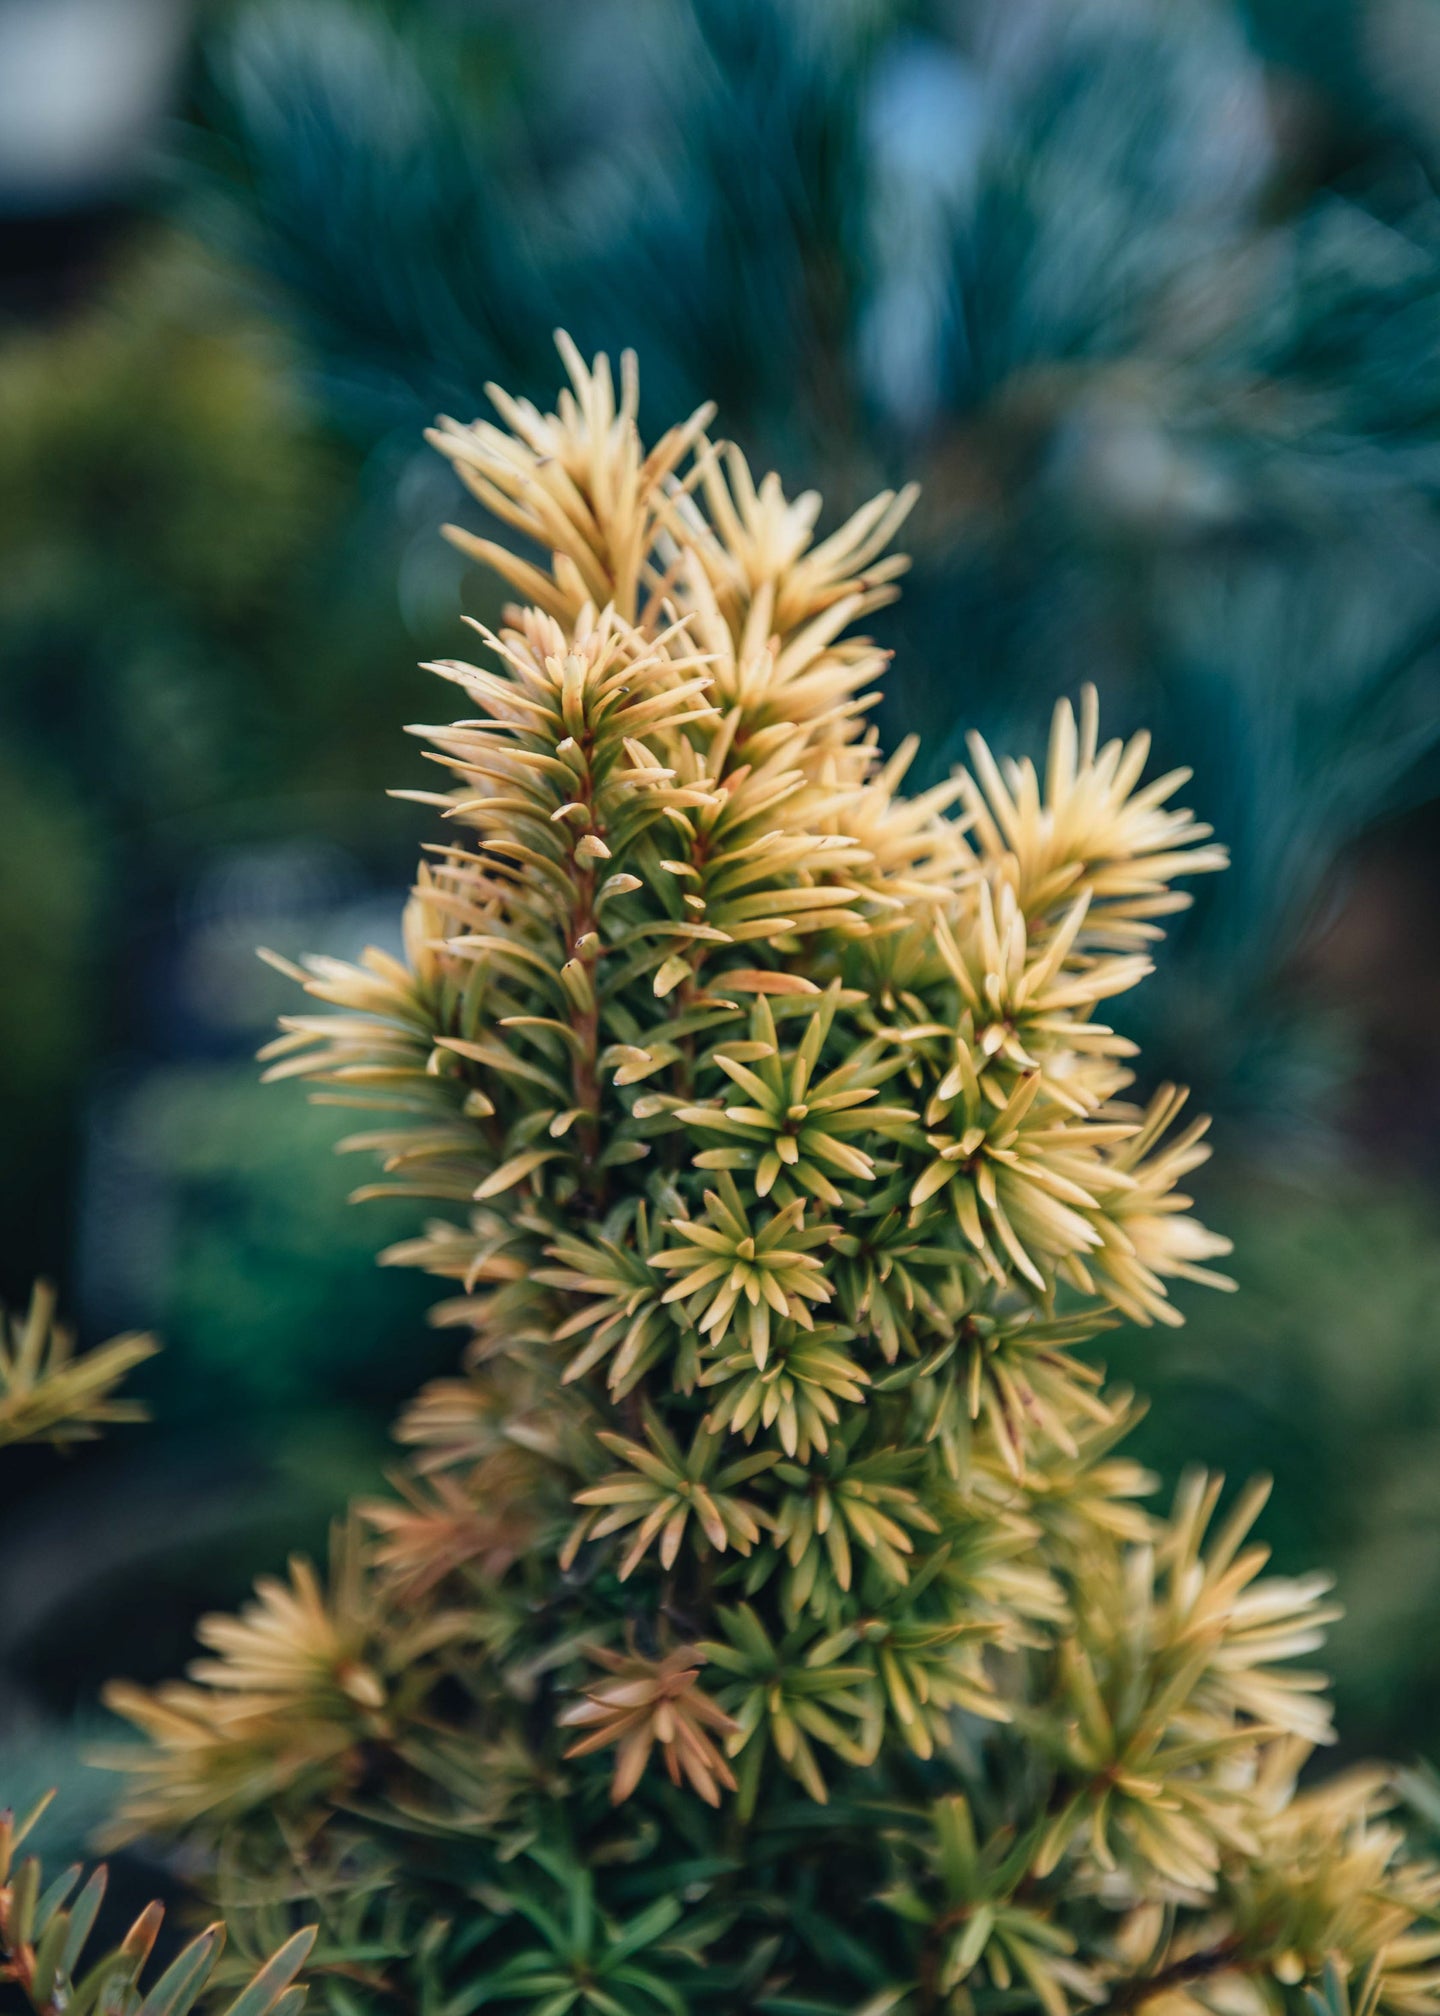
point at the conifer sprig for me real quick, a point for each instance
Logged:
(50, 1932)
(49, 1394)
(767, 1597)
(47, 1947)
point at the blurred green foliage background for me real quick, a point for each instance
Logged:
(1149, 299)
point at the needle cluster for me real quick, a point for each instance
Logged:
(764, 1617)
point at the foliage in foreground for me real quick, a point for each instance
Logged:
(47, 1930)
(766, 1618)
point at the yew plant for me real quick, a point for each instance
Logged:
(766, 1616)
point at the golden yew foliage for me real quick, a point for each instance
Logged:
(789, 1169)
(47, 1392)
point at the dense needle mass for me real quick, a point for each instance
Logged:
(765, 1619)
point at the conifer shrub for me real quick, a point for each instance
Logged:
(766, 1616)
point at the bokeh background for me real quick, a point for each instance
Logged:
(1148, 297)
